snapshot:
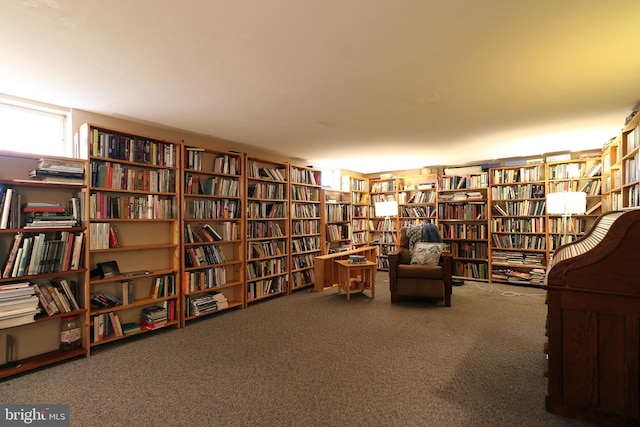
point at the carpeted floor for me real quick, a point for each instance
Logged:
(314, 359)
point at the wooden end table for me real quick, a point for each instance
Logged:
(356, 277)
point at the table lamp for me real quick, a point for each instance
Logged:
(386, 210)
(567, 203)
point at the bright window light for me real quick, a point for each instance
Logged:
(33, 129)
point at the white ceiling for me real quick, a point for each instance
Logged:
(366, 85)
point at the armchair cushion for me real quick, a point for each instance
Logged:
(426, 253)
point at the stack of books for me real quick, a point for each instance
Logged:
(48, 215)
(357, 259)
(153, 317)
(53, 171)
(18, 304)
(208, 303)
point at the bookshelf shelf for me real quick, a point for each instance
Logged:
(134, 222)
(36, 336)
(360, 209)
(305, 225)
(517, 221)
(384, 234)
(213, 226)
(268, 216)
(462, 219)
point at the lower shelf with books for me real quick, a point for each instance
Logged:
(207, 301)
(119, 303)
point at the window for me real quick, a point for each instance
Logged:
(34, 128)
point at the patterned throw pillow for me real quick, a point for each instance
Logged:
(426, 253)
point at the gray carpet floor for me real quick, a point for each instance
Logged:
(315, 359)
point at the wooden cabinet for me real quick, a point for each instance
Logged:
(518, 249)
(268, 239)
(360, 209)
(305, 224)
(593, 301)
(32, 340)
(337, 220)
(134, 226)
(212, 231)
(462, 219)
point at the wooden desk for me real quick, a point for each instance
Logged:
(356, 277)
(326, 270)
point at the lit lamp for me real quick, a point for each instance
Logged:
(567, 203)
(386, 210)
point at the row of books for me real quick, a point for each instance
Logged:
(265, 249)
(276, 174)
(305, 244)
(268, 267)
(260, 229)
(204, 279)
(201, 233)
(103, 235)
(212, 186)
(43, 253)
(117, 176)
(302, 278)
(212, 209)
(58, 296)
(201, 256)
(305, 226)
(133, 149)
(264, 287)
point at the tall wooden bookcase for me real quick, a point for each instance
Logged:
(417, 200)
(306, 228)
(583, 175)
(268, 239)
(360, 209)
(462, 219)
(384, 231)
(133, 198)
(212, 231)
(518, 250)
(337, 219)
(630, 162)
(36, 344)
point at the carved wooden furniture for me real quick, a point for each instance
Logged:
(325, 267)
(593, 325)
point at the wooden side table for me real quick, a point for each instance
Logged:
(356, 277)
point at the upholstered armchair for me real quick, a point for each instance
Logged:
(419, 280)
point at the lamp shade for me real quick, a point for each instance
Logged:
(384, 209)
(567, 203)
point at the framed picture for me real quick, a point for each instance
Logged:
(108, 269)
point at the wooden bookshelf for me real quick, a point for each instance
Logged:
(37, 343)
(360, 209)
(384, 234)
(462, 220)
(580, 174)
(306, 228)
(134, 221)
(518, 248)
(417, 200)
(630, 164)
(212, 231)
(336, 210)
(268, 240)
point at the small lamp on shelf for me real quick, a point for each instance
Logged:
(567, 203)
(386, 210)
